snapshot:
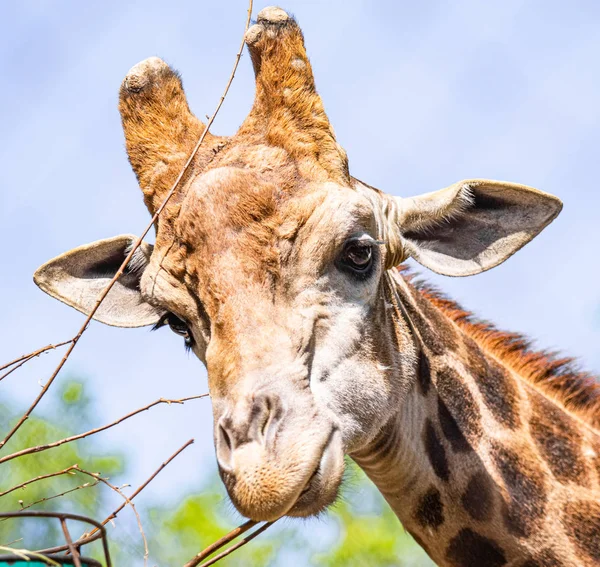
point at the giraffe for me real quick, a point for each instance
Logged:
(280, 271)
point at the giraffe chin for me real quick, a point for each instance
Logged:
(322, 487)
(272, 488)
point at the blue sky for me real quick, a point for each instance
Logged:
(420, 94)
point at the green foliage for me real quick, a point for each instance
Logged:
(70, 416)
(73, 393)
(364, 531)
(194, 524)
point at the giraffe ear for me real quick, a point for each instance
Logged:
(473, 225)
(79, 276)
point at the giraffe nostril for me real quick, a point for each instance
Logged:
(224, 446)
(255, 421)
(272, 416)
(225, 436)
(266, 419)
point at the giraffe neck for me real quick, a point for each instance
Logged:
(479, 466)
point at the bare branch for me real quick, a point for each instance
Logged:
(26, 358)
(46, 446)
(229, 550)
(27, 555)
(220, 543)
(47, 498)
(38, 478)
(8, 372)
(93, 535)
(81, 541)
(127, 501)
(239, 544)
(13, 542)
(46, 386)
(146, 483)
(33, 354)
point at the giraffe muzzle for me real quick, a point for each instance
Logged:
(278, 458)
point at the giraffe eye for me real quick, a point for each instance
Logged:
(178, 326)
(358, 257)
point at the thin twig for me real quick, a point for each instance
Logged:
(47, 498)
(196, 560)
(239, 544)
(46, 446)
(8, 372)
(34, 354)
(38, 478)
(93, 535)
(26, 358)
(128, 502)
(81, 541)
(27, 555)
(143, 485)
(135, 246)
(13, 542)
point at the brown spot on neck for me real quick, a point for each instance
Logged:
(430, 509)
(459, 415)
(582, 522)
(557, 440)
(424, 373)
(526, 489)
(436, 331)
(435, 451)
(478, 498)
(546, 558)
(497, 387)
(470, 549)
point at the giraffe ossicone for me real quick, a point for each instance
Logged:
(279, 269)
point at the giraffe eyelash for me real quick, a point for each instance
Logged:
(178, 326)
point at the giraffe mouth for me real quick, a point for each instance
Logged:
(310, 481)
(322, 487)
(301, 480)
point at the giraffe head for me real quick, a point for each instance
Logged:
(270, 260)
